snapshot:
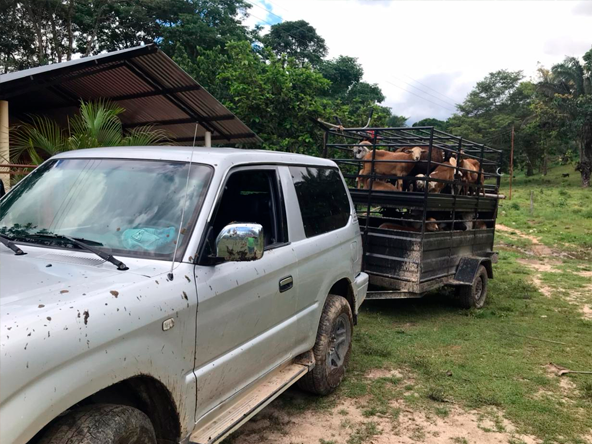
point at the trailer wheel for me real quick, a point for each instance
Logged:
(332, 348)
(101, 424)
(473, 296)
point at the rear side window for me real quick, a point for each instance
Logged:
(322, 197)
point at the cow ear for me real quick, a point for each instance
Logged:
(452, 161)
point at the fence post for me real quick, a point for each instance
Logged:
(531, 202)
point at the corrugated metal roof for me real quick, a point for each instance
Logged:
(152, 88)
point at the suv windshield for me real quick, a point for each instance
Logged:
(128, 206)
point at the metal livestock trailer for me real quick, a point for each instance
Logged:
(434, 239)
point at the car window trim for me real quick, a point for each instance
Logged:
(201, 250)
(350, 203)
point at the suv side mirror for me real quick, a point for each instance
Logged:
(240, 242)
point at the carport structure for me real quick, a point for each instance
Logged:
(144, 81)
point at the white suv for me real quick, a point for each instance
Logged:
(167, 294)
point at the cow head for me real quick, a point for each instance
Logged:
(362, 149)
(416, 153)
(420, 184)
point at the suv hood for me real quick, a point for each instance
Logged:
(43, 272)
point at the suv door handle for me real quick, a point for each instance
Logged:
(286, 283)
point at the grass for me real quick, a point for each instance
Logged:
(562, 215)
(364, 433)
(483, 359)
(478, 359)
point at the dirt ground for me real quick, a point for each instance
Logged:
(345, 422)
(545, 260)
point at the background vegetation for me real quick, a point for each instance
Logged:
(279, 82)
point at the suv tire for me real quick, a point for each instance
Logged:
(332, 348)
(474, 295)
(100, 424)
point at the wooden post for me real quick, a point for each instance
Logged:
(531, 202)
(511, 162)
(4, 144)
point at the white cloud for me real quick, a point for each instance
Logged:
(446, 45)
(583, 8)
(566, 46)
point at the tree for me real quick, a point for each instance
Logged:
(438, 124)
(297, 39)
(37, 32)
(96, 125)
(17, 41)
(364, 92)
(494, 94)
(354, 97)
(498, 102)
(569, 88)
(203, 25)
(397, 121)
(278, 99)
(343, 72)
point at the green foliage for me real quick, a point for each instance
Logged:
(343, 72)
(297, 39)
(276, 99)
(397, 121)
(497, 103)
(438, 124)
(96, 125)
(499, 92)
(39, 32)
(567, 90)
(277, 84)
(204, 25)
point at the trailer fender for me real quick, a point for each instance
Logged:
(468, 267)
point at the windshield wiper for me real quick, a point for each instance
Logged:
(108, 257)
(8, 242)
(85, 246)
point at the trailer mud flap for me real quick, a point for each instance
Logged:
(468, 267)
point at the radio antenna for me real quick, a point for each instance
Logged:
(170, 275)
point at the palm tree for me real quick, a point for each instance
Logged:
(97, 125)
(569, 85)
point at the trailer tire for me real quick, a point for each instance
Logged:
(100, 424)
(474, 295)
(332, 348)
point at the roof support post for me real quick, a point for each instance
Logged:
(4, 144)
(208, 139)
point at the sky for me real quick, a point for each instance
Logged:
(427, 55)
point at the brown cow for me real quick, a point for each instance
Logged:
(471, 177)
(431, 225)
(379, 185)
(443, 172)
(389, 168)
(422, 167)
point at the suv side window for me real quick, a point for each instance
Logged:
(322, 197)
(254, 196)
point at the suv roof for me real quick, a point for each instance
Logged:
(223, 157)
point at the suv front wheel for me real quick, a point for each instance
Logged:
(332, 348)
(100, 424)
